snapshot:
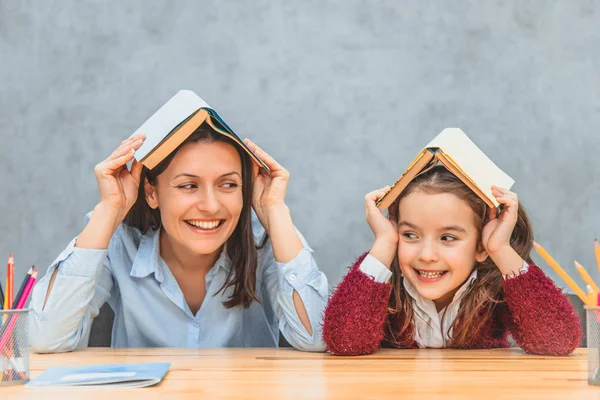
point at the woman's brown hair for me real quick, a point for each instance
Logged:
(241, 247)
(479, 303)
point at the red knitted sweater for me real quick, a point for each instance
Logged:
(537, 315)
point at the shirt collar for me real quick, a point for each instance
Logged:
(222, 262)
(147, 259)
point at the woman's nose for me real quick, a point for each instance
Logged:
(208, 202)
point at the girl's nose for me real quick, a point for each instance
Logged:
(428, 252)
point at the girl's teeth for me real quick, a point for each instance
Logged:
(430, 274)
(204, 224)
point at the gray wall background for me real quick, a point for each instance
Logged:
(343, 93)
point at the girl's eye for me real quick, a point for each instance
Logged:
(409, 235)
(448, 238)
(229, 185)
(189, 186)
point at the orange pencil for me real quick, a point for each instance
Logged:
(561, 272)
(586, 277)
(597, 251)
(592, 295)
(8, 298)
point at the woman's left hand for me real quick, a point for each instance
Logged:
(269, 186)
(497, 232)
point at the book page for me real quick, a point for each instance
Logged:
(171, 114)
(415, 167)
(472, 161)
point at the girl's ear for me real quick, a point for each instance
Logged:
(151, 197)
(480, 255)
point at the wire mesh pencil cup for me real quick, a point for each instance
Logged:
(14, 347)
(592, 315)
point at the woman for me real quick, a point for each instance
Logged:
(181, 258)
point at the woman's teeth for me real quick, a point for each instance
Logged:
(430, 274)
(208, 225)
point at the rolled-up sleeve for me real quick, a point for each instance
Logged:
(83, 284)
(302, 275)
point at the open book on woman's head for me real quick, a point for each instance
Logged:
(174, 122)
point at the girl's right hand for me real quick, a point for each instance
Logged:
(382, 227)
(386, 235)
(118, 186)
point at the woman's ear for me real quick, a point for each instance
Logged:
(151, 197)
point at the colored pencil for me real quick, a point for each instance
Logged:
(561, 272)
(11, 281)
(586, 277)
(24, 283)
(597, 251)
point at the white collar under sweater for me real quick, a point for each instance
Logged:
(428, 322)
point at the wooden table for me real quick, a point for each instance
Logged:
(285, 373)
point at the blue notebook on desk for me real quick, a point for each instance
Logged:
(109, 376)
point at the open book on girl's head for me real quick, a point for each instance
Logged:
(454, 150)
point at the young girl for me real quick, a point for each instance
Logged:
(181, 258)
(446, 272)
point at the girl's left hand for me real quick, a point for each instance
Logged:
(497, 232)
(269, 186)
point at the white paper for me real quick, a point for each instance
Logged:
(171, 114)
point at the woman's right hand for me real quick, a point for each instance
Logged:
(386, 234)
(117, 185)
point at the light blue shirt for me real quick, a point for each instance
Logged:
(150, 310)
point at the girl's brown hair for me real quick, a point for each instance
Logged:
(241, 247)
(479, 303)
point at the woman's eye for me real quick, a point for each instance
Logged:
(188, 186)
(409, 235)
(448, 238)
(229, 185)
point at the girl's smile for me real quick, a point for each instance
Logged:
(429, 276)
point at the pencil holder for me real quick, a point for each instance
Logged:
(593, 344)
(14, 347)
